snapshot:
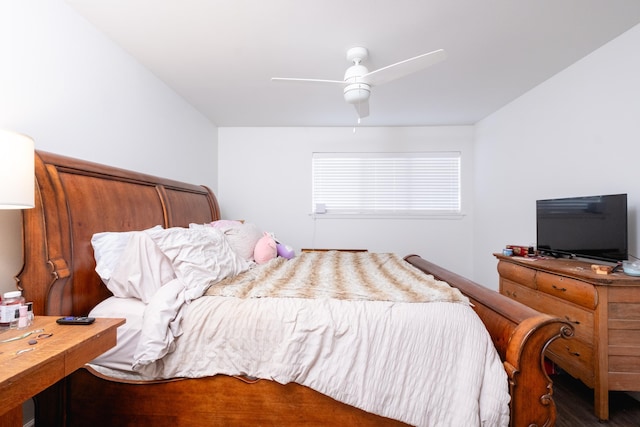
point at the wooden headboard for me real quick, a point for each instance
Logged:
(75, 199)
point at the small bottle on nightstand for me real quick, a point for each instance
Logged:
(30, 315)
(10, 309)
(23, 320)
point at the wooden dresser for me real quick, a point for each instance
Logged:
(604, 309)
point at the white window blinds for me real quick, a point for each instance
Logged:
(415, 183)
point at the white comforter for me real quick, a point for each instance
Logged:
(428, 364)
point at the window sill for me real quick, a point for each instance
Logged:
(388, 216)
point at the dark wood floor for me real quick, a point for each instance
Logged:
(574, 402)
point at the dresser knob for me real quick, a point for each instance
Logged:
(575, 322)
(573, 353)
(559, 289)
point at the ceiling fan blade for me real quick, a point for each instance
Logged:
(294, 80)
(404, 68)
(362, 108)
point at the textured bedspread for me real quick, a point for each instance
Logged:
(340, 275)
(424, 363)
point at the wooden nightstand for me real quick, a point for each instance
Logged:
(23, 374)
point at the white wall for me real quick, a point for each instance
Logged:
(265, 178)
(576, 134)
(78, 94)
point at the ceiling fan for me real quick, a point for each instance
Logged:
(358, 80)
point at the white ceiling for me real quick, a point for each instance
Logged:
(220, 55)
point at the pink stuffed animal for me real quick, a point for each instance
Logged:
(265, 249)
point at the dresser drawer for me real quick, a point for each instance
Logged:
(575, 291)
(524, 276)
(575, 357)
(581, 319)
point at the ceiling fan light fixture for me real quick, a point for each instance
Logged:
(355, 73)
(357, 92)
(358, 81)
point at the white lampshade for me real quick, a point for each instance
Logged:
(16, 171)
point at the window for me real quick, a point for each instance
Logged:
(397, 184)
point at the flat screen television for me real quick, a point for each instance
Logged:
(590, 227)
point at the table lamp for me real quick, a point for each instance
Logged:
(16, 171)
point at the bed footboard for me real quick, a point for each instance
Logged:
(96, 400)
(521, 336)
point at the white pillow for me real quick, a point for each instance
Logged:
(200, 256)
(242, 237)
(122, 355)
(107, 249)
(142, 269)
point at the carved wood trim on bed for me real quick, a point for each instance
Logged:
(76, 198)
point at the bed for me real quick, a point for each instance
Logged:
(76, 199)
